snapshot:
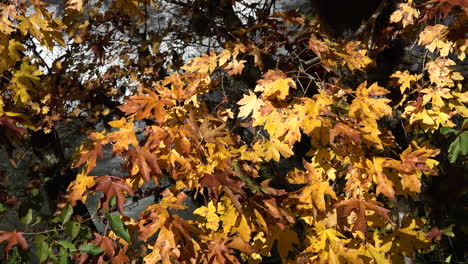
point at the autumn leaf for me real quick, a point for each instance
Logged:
(89, 151)
(204, 64)
(144, 162)
(209, 213)
(109, 188)
(105, 243)
(274, 149)
(249, 103)
(124, 137)
(405, 79)
(12, 238)
(354, 56)
(235, 67)
(404, 14)
(434, 235)
(76, 5)
(149, 105)
(360, 207)
(78, 188)
(312, 195)
(275, 85)
(434, 37)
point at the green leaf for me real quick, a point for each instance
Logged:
(67, 212)
(447, 130)
(67, 245)
(38, 220)
(112, 201)
(90, 248)
(118, 226)
(64, 255)
(3, 208)
(72, 229)
(28, 217)
(464, 143)
(448, 231)
(42, 249)
(454, 150)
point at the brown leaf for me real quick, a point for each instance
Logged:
(12, 238)
(112, 188)
(233, 188)
(144, 162)
(105, 243)
(434, 235)
(360, 207)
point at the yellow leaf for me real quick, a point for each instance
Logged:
(249, 103)
(405, 13)
(405, 79)
(235, 67)
(209, 213)
(78, 187)
(275, 85)
(272, 150)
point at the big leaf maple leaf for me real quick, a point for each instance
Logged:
(111, 188)
(312, 195)
(12, 238)
(275, 85)
(249, 103)
(360, 207)
(147, 106)
(89, 151)
(144, 162)
(77, 188)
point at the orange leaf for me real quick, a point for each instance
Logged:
(112, 188)
(12, 238)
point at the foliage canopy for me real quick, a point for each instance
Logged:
(278, 141)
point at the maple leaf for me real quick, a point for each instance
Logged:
(124, 137)
(249, 103)
(413, 164)
(354, 56)
(405, 79)
(434, 235)
(360, 207)
(77, 188)
(384, 184)
(209, 213)
(24, 81)
(330, 245)
(312, 195)
(204, 64)
(232, 187)
(223, 57)
(235, 67)
(105, 243)
(409, 238)
(144, 162)
(440, 73)
(208, 131)
(147, 106)
(405, 13)
(274, 149)
(12, 238)
(111, 188)
(434, 37)
(275, 85)
(89, 151)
